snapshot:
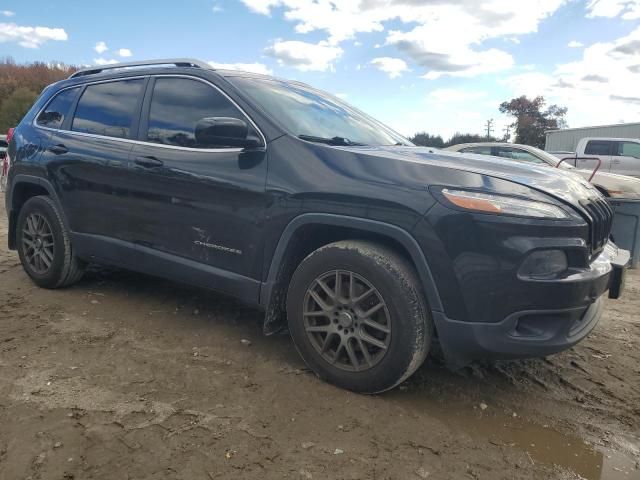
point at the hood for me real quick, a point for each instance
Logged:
(562, 184)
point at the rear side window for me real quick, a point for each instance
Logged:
(58, 109)
(629, 149)
(598, 147)
(517, 154)
(178, 104)
(108, 108)
(479, 150)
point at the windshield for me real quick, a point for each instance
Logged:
(316, 116)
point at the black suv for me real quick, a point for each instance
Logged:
(365, 246)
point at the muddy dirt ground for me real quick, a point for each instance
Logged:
(124, 376)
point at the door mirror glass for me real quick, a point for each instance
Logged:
(223, 132)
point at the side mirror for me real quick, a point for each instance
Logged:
(224, 132)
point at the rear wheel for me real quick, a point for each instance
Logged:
(44, 245)
(358, 317)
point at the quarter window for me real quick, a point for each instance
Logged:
(629, 149)
(58, 109)
(598, 147)
(108, 108)
(178, 104)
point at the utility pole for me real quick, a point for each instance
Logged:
(507, 132)
(489, 128)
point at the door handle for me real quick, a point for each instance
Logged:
(616, 162)
(58, 149)
(148, 162)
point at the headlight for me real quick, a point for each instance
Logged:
(501, 204)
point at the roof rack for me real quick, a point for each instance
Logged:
(178, 62)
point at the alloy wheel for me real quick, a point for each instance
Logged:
(38, 244)
(347, 320)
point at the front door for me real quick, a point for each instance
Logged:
(626, 159)
(195, 201)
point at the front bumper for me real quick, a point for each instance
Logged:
(540, 332)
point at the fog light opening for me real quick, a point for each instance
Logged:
(544, 264)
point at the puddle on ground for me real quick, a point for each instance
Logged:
(541, 444)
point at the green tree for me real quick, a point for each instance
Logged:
(15, 106)
(425, 140)
(532, 119)
(458, 138)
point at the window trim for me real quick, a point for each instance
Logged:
(146, 111)
(70, 113)
(139, 112)
(135, 117)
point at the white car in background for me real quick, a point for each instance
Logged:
(610, 184)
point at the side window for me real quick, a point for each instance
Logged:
(57, 110)
(517, 154)
(178, 104)
(108, 108)
(598, 147)
(629, 149)
(478, 150)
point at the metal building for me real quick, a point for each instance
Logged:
(567, 139)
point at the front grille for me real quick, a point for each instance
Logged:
(600, 217)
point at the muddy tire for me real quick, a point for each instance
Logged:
(358, 317)
(44, 245)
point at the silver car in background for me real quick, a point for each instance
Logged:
(610, 184)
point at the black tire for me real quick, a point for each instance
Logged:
(65, 268)
(404, 312)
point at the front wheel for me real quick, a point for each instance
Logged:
(358, 317)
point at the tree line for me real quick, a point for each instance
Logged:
(20, 85)
(531, 119)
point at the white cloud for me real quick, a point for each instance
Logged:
(104, 61)
(217, 8)
(30, 37)
(7, 13)
(599, 88)
(304, 56)
(465, 24)
(575, 44)
(628, 9)
(394, 67)
(261, 6)
(101, 47)
(245, 67)
(124, 52)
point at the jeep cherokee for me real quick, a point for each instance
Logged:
(365, 246)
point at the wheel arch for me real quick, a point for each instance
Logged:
(308, 232)
(23, 187)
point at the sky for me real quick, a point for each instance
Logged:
(418, 65)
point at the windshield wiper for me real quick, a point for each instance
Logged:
(340, 141)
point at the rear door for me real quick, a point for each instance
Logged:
(88, 155)
(601, 149)
(197, 202)
(626, 159)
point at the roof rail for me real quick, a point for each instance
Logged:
(178, 62)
